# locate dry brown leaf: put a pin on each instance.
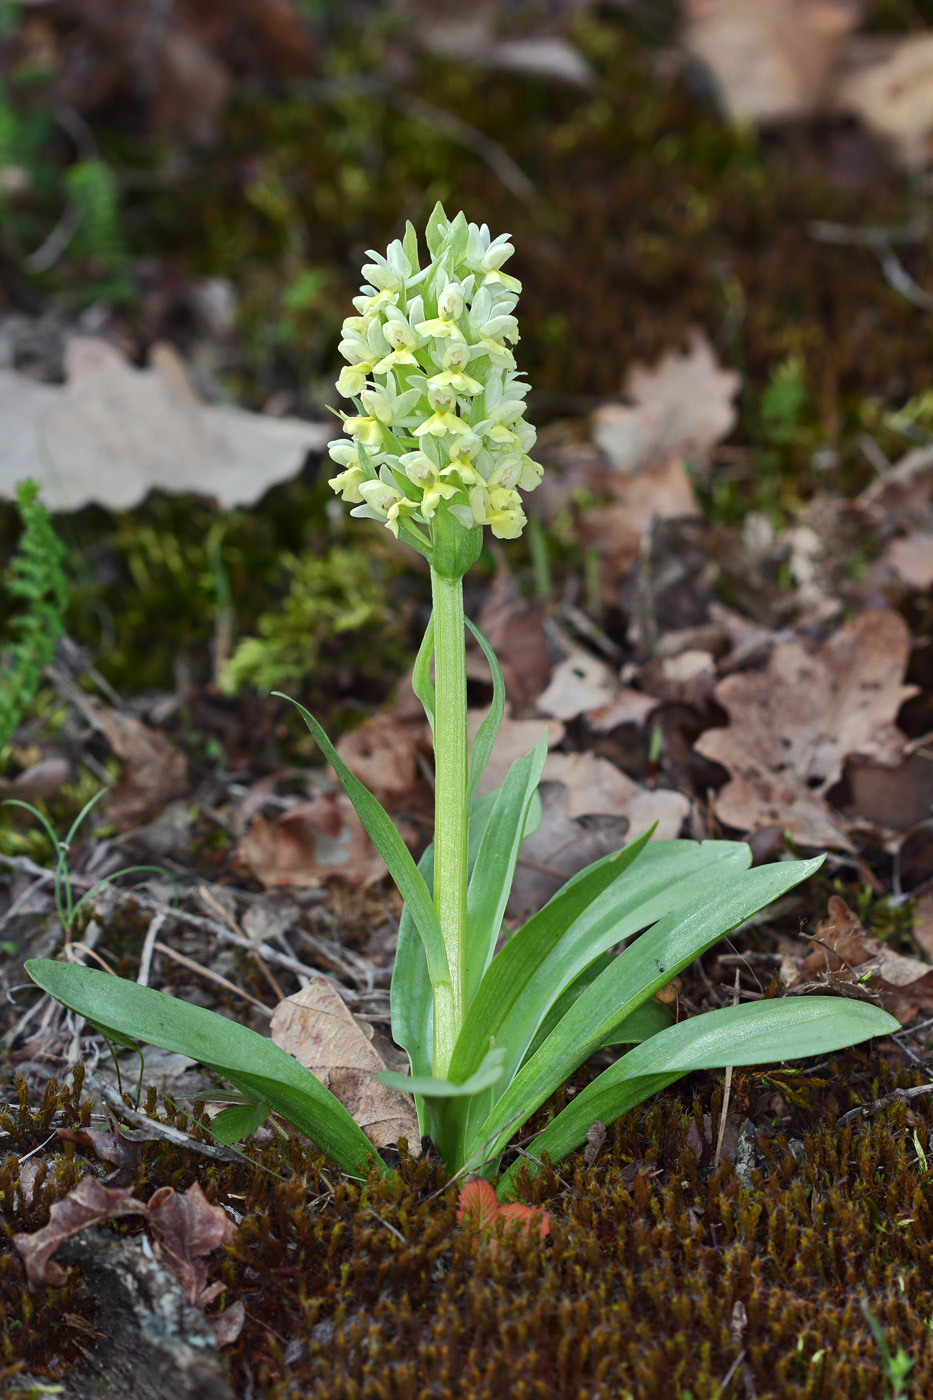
(154, 771)
(316, 1026)
(516, 738)
(317, 841)
(793, 726)
(513, 625)
(842, 947)
(185, 1225)
(113, 433)
(683, 407)
(382, 754)
(580, 683)
(596, 787)
(893, 798)
(617, 530)
(888, 84)
(769, 60)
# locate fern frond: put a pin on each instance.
(37, 577)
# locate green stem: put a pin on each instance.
(450, 808)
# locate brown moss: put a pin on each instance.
(371, 1292)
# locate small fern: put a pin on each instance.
(100, 238)
(36, 577)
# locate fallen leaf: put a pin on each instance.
(888, 84)
(596, 787)
(382, 753)
(469, 38)
(185, 1226)
(516, 738)
(316, 1026)
(894, 798)
(842, 942)
(113, 433)
(580, 683)
(793, 726)
(153, 770)
(617, 530)
(513, 625)
(88, 1203)
(768, 60)
(309, 844)
(681, 408)
(113, 1147)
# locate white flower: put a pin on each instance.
(429, 364)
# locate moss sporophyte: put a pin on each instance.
(436, 448)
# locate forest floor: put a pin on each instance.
(721, 611)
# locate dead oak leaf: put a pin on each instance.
(316, 1026)
(185, 1225)
(683, 407)
(793, 726)
(382, 753)
(309, 844)
(596, 787)
(113, 433)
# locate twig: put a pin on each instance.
(212, 976)
(153, 1128)
(896, 1095)
(207, 898)
(726, 1095)
(145, 956)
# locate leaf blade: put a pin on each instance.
(636, 974)
(391, 847)
(764, 1032)
(486, 735)
(241, 1055)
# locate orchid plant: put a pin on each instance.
(436, 448)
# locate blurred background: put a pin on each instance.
(721, 216)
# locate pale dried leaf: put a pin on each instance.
(317, 841)
(888, 84)
(580, 683)
(113, 433)
(596, 787)
(769, 60)
(382, 754)
(683, 407)
(793, 726)
(517, 737)
(316, 1026)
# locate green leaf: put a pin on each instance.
(636, 974)
(486, 735)
(601, 906)
(429, 1087)
(433, 233)
(758, 1033)
(251, 1063)
(411, 998)
(646, 1021)
(234, 1124)
(491, 881)
(410, 245)
(421, 682)
(391, 847)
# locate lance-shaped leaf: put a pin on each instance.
(486, 735)
(758, 1033)
(251, 1063)
(636, 974)
(391, 847)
